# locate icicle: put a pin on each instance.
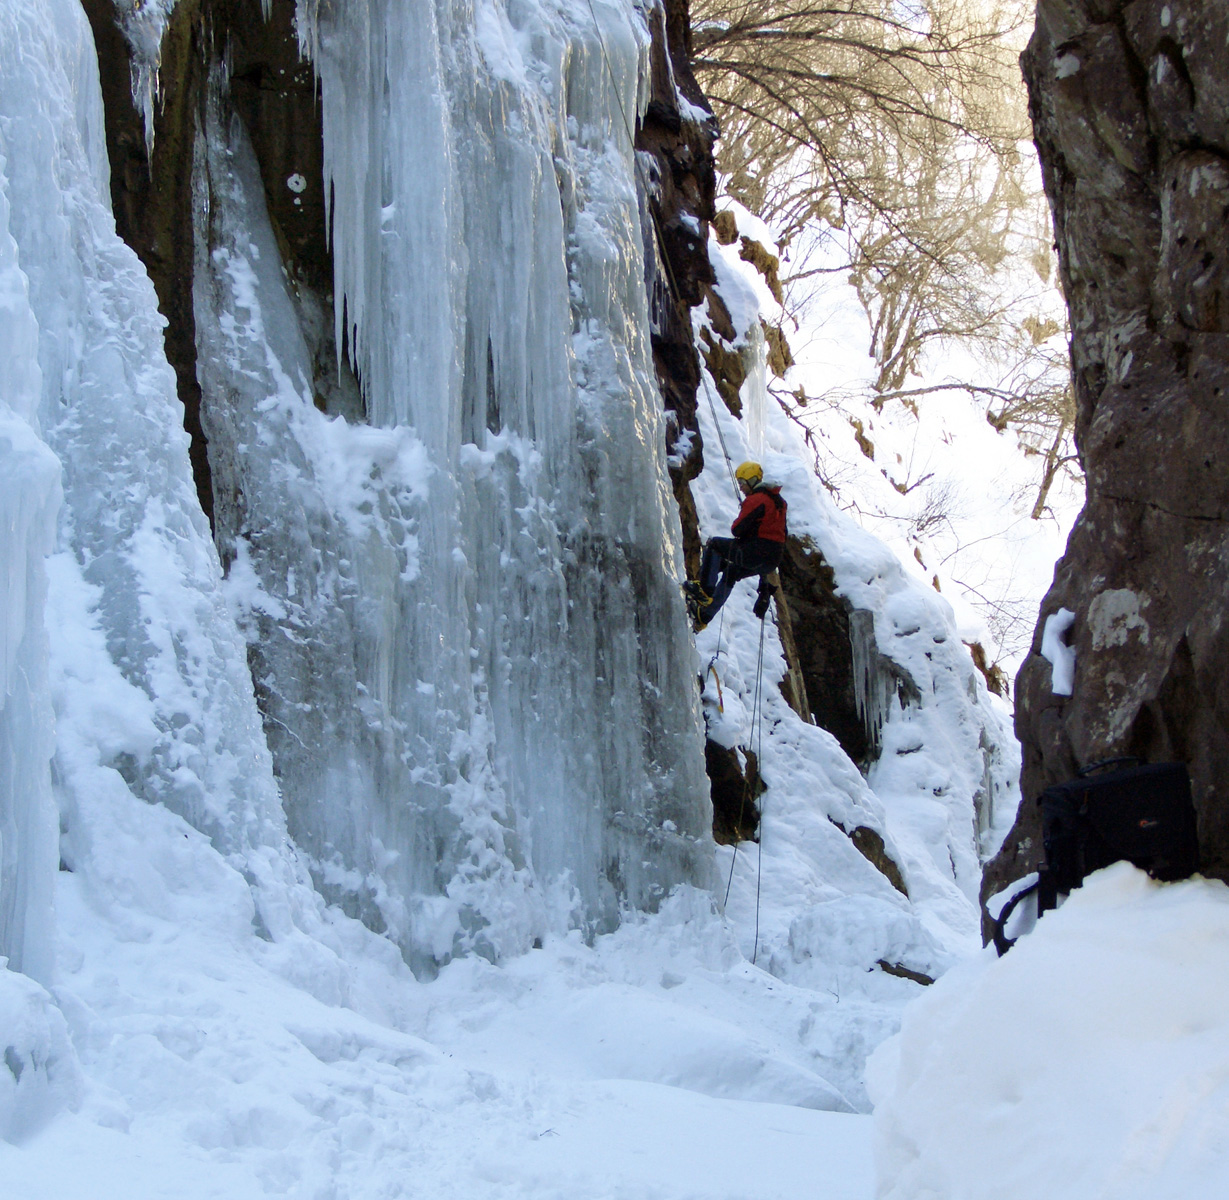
(869, 683)
(754, 391)
(882, 688)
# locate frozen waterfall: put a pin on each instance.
(444, 649)
(151, 690)
(465, 630)
(29, 499)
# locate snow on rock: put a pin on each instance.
(929, 468)
(1091, 1060)
(1056, 651)
(947, 759)
(945, 762)
(941, 786)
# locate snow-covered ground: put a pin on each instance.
(1092, 1060)
(205, 1062)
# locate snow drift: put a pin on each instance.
(1091, 1060)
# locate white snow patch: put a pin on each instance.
(39, 1073)
(1057, 653)
(1066, 65)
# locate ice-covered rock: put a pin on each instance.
(39, 1072)
(109, 410)
(466, 634)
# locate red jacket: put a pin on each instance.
(761, 516)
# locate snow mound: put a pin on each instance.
(1092, 1060)
(39, 1074)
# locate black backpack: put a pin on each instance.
(1113, 810)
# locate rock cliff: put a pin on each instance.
(1130, 105)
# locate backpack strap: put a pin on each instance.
(1103, 763)
(998, 925)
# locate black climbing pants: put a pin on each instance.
(727, 560)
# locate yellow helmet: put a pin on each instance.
(750, 472)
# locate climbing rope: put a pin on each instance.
(725, 450)
(758, 731)
(757, 721)
(614, 83)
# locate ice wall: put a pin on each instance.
(172, 717)
(464, 620)
(29, 499)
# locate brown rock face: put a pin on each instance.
(151, 194)
(822, 651)
(679, 185)
(1130, 104)
(736, 789)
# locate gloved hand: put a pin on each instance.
(761, 604)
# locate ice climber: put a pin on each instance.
(755, 548)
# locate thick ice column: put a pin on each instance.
(319, 522)
(29, 499)
(568, 532)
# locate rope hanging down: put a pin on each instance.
(759, 760)
(757, 724)
(725, 450)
